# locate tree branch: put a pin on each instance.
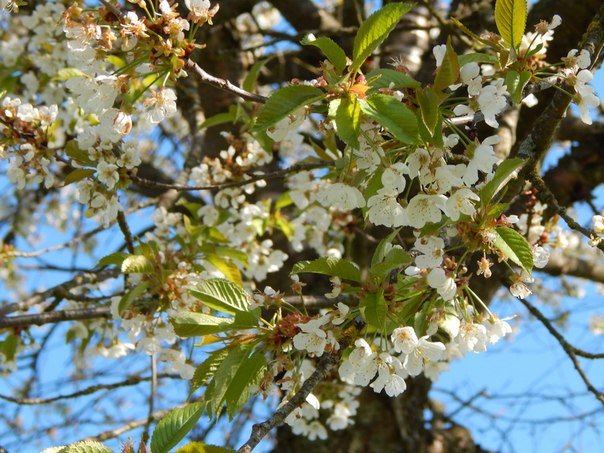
(54, 316)
(260, 430)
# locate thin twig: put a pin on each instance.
(53, 317)
(223, 84)
(252, 179)
(123, 224)
(570, 350)
(260, 430)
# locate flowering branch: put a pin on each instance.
(260, 430)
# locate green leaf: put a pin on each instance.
(380, 250)
(205, 371)
(448, 73)
(510, 17)
(8, 347)
(249, 83)
(394, 259)
(246, 378)
(286, 101)
(190, 324)
(334, 53)
(225, 374)
(332, 266)
(137, 264)
(399, 120)
(128, 298)
(513, 246)
(199, 447)
(346, 114)
(220, 118)
(386, 78)
(221, 295)
(86, 446)
(116, 258)
(77, 175)
(227, 267)
(506, 171)
(69, 73)
(174, 427)
(374, 309)
(428, 103)
(515, 83)
(477, 58)
(375, 30)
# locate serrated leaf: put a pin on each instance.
(64, 74)
(199, 447)
(86, 446)
(249, 83)
(394, 259)
(448, 72)
(374, 309)
(515, 83)
(395, 117)
(205, 371)
(174, 427)
(506, 171)
(216, 389)
(375, 30)
(116, 258)
(137, 264)
(133, 294)
(286, 101)
(247, 376)
(477, 58)
(77, 175)
(513, 246)
(220, 118)
(190, 324)
(332, 266)
(428, 103)
(227, 267)
(334, 53)
(380, 250)
(510, 17)
(346, 114)
(386, 78)
(221, 295)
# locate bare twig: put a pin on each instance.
(53, 317)
(253, 178)
(260, 430)
(572, 352)
(223, 84)
(121, 221)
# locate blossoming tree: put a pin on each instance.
(311, 218)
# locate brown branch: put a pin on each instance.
(572, 352)
(253, 178)
(133, 380)
(60, 290)
(560, 264)
(260, 430)
(53, 316)
(223, 84)
(123, 224)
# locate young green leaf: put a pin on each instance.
(249, 83)
(137, 264)
(429, 105)
(77, 175)
(133, 294)
(221, 295)
(116, 258)
(334, 53)
(217, 388)
(513, 246)
(227, 267)
(380, 250)
(395, 117)
(515, 83)
(506, 171)
(335, 267)
(510, 17)
(448, 73)
(190, 324)
(220, 118)
(174, 427)
(199, 447)
(85, 446)
(386, 78)
(375, 30)
(205, 371)
(286, 101)
(246, 378)
(374, 309)
(346, 113)
(394, 259)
